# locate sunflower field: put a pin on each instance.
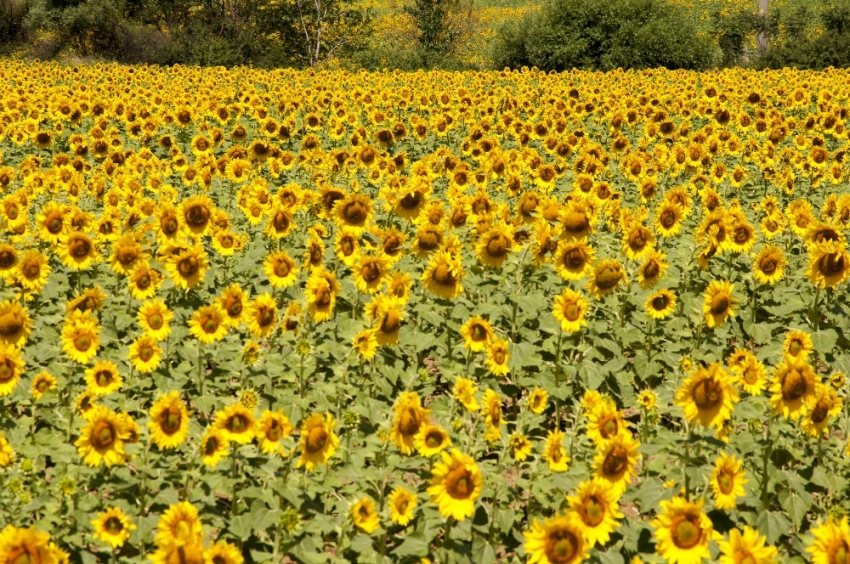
(298, 316)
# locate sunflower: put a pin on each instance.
(103, 378)
(155, 319)
(443, 275)
(719, 303)
(179, 524)
(81, 337)
(538, 399)
(318, 441)
(638, 241)
(559, 540)
(555, 453)
(520, 447)
(707, 396)
(126, 255)
(112, 527)
(464, 392)
(19, 546)
(232, 301)
(364, 516)
(11, 369)
(431, 439)
(280, 269)
(145, 354)
(769, 265)
(102, 438)
(370, 273)
(353, 211)
(798, 345)
(237, 421)
(746, 547)
(214, 446)
(187, 267)
(570, 309)
(223, 552)
(209, 323)
(189, 551)
(261, 315)
(77, 251)
(615, 462)
(402, 504)
(15, 324)
(607, 275)
(660, 304)
(576, 221)
(750, 375)
(9, 259)
(682, 531)
(669, 217)
(270, 429)
(456, 483)
(477, 333)
(498, 357)
(169, 421)
(727, 481)
(492, 415)
(366, 344)
(604, 423)
(280, 223)
(822, 405)
(829, 264)
(85, 403)
(144, 281)
(647, 400)
(321, 294)
(652, 270)
(742, 237)
(794, 383)
(573, 259)
(41, 384)
(7, 454)
(597, 510)
(494, 246)
(830, 542)
(32, 270)
(409, 418)
(195, 213)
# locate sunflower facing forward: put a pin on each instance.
(456, 483)
(727, 481)
(102, 438)
(112, 527)
(559, 540)
(707, 396)
(402, 504)
(794, 383)
(569, 310)
(595, 505)
(719, 303)
(169, 421)
(409, 418)
(318, 441)
(831, 542)
(682, 531)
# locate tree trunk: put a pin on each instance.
(762, 37)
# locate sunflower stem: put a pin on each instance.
(814, 315)
(690, 436)
(768, 447)
(200, 368)
(446, 534)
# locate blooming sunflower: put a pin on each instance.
(270, 429)
(477, 333)
(492, 403)
(145, 281)
(647, 399)
(750, 375)
(318, 441)
(746, 547)
(822, 405)
(209, 323)
(77, 251)
(364, 516)
(280, 269)
(41, 384)
(431, 439)
(569, 310)
(794, 383)
(769, 265)
(187, 267)
(638, 241)
(81, 337)
(27, 545)
(798, 345)
(169, 421)
(15, 324)
(402, 504)
(719, 303)
(102, 438)
(596, 508)
(261, 315)
(559, 540)
(660, 304)
(195, 213)
(652, 269)
(223, 552)
(668, 219)
(464, 392)
(615, 462)
(237, 421)
(126, 255)
(456, 483)
(707, 396)
(605, 422)
(103, 378)
(830, 542)
(11, 369)
(214, 446)
(321, 294)
(576, 220)
(555, 453)
(829, 264)
(498, 357)
(33, 269)
(443, 275)
(494, 246)
(727, 481)
(369, 273)
(538, 399)
(409, 418)
(145, 354)
(607, 275)
(179, 524)
(573, 259)
(155, 319)
(682, 531)
(366, 344)
(354, 211)
(520, 447)
(112, 527)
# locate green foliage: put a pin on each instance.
(603, 35)
(799, 47)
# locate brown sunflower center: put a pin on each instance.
(7, 258)
(209, 324)
(668, 219)
(11, 323)
(237, 423)
(273, 432)
(592, 510)
(32, 269)
(651, 269)
(103, 435)
(460, 483)
(127, 255)
(478, 333)
(575, 259)
(265, 316)
(433, 439)
(282, 268)
(146, 352)
(355, 212)
(409, 421)
(615, 461)
(637, 240)
(725, 481)
(429, 240)
(498, 246)
(562, 546)
(443, 275)
(707, 393)
(54, 224)
(143, 281)
(316, 440)
(188, 266)
(113, 525)
(820, 412)
(233, 306)
(841, 553)
(7, 371)
(608, 278)
(768, 265)
(685, 531)
(391, 323)
(572, 311)
(42, 385)
(575, 222)
(660, 303)
(169, 224)
(210, 446)
(79, 247)
(794, 385)
(280, 221)
(170, 420)
(719, 304)
(411, 200)
(323, 297)
(104, 378)
(155, 321)
(316, 254)
(831, 264)
(370, 272)
(82, 343)
(609, 427)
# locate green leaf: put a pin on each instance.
(241, 526)
(413, 545)
(482, 551)
(796, 505)
(361, 543)
(773, 524)
(824, 341)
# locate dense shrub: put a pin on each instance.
(800, 47)
(603, 35)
